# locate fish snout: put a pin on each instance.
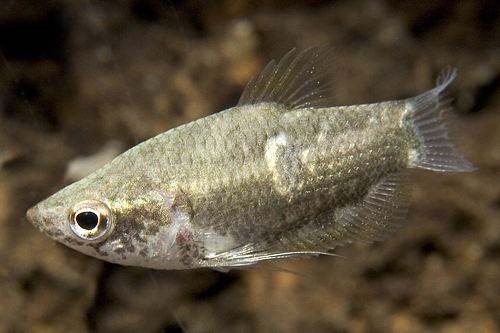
(34, 216)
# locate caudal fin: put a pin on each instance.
(431, 116)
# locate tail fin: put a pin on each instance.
(431, 113)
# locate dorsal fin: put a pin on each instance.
(299, 80)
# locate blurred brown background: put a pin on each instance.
(75, 75)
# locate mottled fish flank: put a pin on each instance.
(281, 175)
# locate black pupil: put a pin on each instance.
(87, 220)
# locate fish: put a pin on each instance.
(282, 175)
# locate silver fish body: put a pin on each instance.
(280, 175)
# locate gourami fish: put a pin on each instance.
(281, 175)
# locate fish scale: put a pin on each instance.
(281, 175)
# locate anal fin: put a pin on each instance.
(379, 214)
(372, 219)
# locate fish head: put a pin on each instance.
(79, 221)
(88, 220)
(149, 228)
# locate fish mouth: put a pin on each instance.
(40, 221)
(33, 215)
(49, 221)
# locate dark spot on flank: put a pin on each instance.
(72, 241)
(152, 230)
(120, 250)
(54, 234)
(184, 237)
(144, 253)
(99, 250)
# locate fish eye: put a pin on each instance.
(91, 220)
(88, 220)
